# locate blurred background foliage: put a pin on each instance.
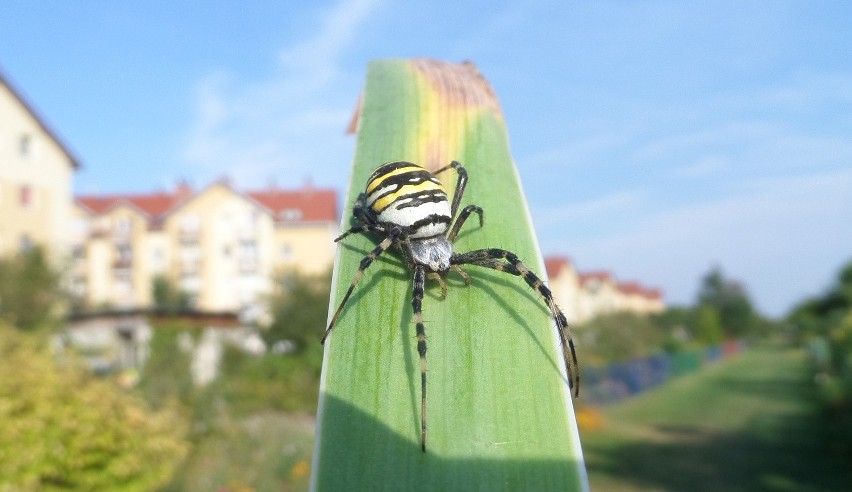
(824, 324)
(722, 311)
(252, 427)
(30, 290)
(65, 429)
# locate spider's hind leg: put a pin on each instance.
(490, 258)
(416, 304)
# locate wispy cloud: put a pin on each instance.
(599, 209)
(775, 232)
(286, 125)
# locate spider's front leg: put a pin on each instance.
(465, 213)
(490, 258)
(416, 304)
(367, 222)
(460, 184)
(365, 263)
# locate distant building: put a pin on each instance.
(36, 169)
(584, 295)
(221, 246)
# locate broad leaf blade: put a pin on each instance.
(498, 408)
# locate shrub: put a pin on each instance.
(64, 429)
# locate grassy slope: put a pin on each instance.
(750, 423)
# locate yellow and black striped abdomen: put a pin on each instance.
(409, 196)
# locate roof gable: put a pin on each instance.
(4, 81)
(305, 205)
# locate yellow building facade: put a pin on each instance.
(36, 171)
(585, 295)
(222, 247)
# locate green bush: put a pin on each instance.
(288, 382)
(620, 336)
(299, 309)
(64, 429)
(29, 290)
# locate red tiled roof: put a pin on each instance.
(635, 288)
(555, 264)
(306, 205)
(601, 275)
(153, 204)
(631, 288)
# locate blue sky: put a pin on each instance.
(653, 139)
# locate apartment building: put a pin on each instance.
(584, 295)
(36, 170)
(221, 246)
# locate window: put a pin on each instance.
(247, 256)
(124, 253)
(26, 243)
(286, 252)
(190, 227)
(123, 226)
(25, 145)
(290, 214)
(26, 196)
(158, 258)
(78, 252)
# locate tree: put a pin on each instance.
(731, 301)
(620, 336)
(167, 296)
(708, 325)
(29, 290)
(299, 309)
(64, 429)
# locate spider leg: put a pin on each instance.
(416, 302)
(366, 219)
(361, 228)
(463, 273)
(490, 258)
(437, 277)
(365, 263)
(465, 213)
(460, 184)
(361, 211)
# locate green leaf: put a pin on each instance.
(499, 412)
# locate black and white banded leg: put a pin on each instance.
(416, 304)
(365, 263)
(490, 258)
(465, 213)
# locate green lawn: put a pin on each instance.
(747, 424)
(267, 451)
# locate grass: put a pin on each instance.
(264, 451)
(748, 424)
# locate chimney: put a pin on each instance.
(183, 190)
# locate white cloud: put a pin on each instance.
(338, 27)
(600, 208)
(289, 125)
(782, 236)
(703, 167)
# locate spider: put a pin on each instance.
(407, 206)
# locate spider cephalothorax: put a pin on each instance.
(406, 205)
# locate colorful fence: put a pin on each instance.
(619, 380)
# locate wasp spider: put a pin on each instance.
(407, 206)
